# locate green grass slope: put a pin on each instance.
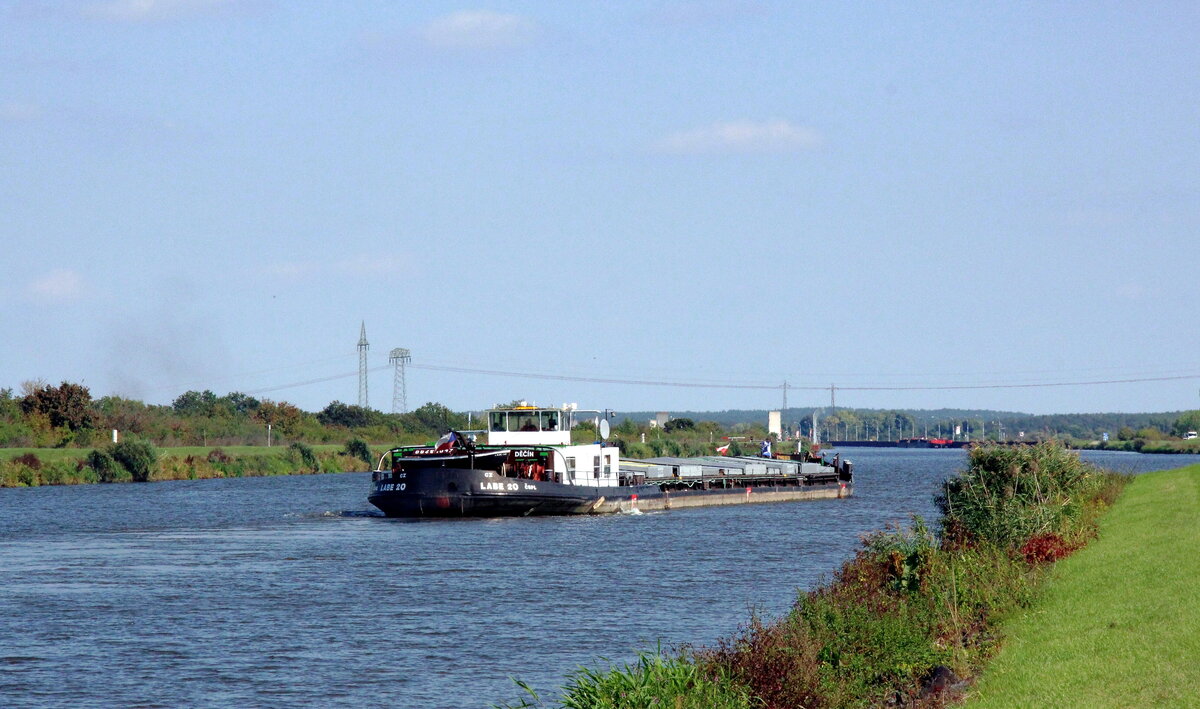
(1118, 625)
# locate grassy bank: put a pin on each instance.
(1117, 625)
(30, 467)
(908, 617)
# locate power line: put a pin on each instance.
(1038, 385)
(760, 387)
(307, 382)
(732, 386)
(603, 380)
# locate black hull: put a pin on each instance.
(458, 492)
(461, 492)
(478, 506)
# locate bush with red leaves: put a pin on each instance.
(1047, 547)
(29, 460)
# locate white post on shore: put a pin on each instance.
(114, 435)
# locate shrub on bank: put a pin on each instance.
(106, 467)
(339, 462)
(28, 470)
(219, 464)
(899, 608)
(654, 681)
(910, 607)
(302, 454)
(138, 457)
(358, 448)
(1009, 494)
(15, 473)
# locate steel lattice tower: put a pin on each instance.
(363, 346)
(399, 357)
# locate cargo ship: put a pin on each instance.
(528, 466)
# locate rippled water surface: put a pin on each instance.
(288, 591)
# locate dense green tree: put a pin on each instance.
(239, 404)
(679, 424)
(437, 418)
(10, 405)
(628, 428)
(206, 403)
(348, 415)
(1189, 421)
(195, 403)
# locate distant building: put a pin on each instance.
(774, 424)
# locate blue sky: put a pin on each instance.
(215, 193)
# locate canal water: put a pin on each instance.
(288, 591)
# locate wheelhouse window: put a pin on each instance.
(526, 421)
(523, 421)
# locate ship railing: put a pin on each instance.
(738, 480)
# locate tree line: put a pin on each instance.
(47, 416)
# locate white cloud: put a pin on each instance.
(478, 29)
(156, 10)
(59, 285)
(774, 136)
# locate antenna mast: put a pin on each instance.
(363, 346)
(399, 357)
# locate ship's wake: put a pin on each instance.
(352, 513)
